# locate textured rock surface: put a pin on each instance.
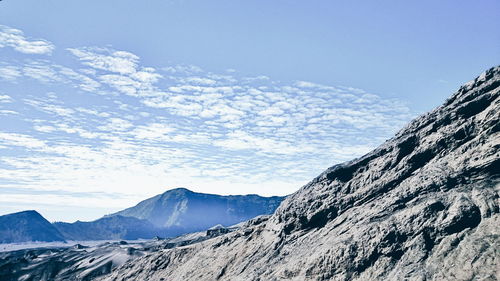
(423, 206)
(82, 263)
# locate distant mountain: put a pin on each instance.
(109, 228)
(27, 226)
(181, 210)
(175, 212)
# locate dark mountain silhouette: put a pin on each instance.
(27, 226)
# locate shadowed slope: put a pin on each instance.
(27, 226)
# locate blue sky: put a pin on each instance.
(105, 103)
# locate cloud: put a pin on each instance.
(14, 38)
(116, 125)
(47, 72)
(113, 124)
(8, 112)
(182, 69)
(50, 107)
(21, 140)
(201, 81)
(5, 99)
(118, 70)
(9, 73)
(83, 82)
(41, 71)
(105, 59)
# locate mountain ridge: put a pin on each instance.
(109, 228)
(210, 210)
(173, 207)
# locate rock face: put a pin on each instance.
(27, 226)
(181, 211)
(422, 206)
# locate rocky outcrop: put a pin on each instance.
(422, 206)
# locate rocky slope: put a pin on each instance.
(27, 226)
(422, 206)
(84, 263)
(181, 211)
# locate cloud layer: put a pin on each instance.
(104, 123)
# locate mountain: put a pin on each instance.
(27, 226)
(422, 206)
(108, 228)
(181, 210)
(175, 212)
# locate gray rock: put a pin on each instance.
(422, 206)
(84, 263)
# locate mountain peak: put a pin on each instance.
(180, 190)
(27, 226)
(27, 212)
(183, 210)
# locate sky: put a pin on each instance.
(106, 103)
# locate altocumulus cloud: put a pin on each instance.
(111, 125)
(14, 38)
